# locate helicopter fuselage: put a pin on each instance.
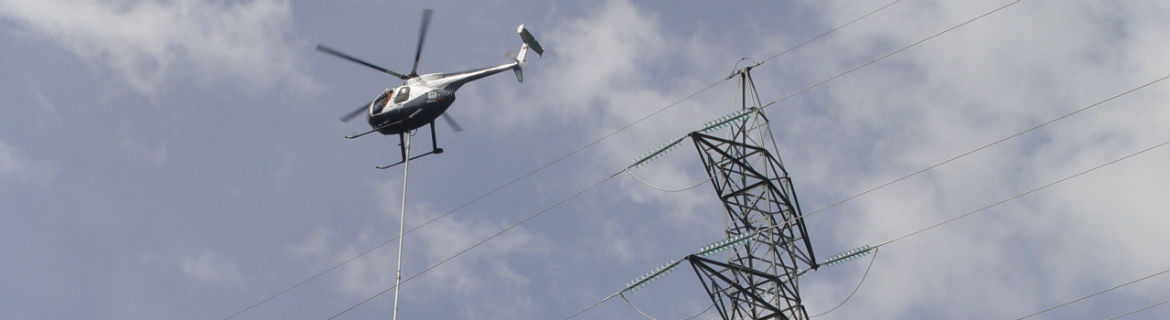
(418, 107)
(422, 99)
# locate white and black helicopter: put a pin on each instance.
(423, 98)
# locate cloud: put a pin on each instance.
(1004, 73)
(1017, 68)
(316, 246)
(155, 155)
(210, 267)
(147, 43)
(483, 275)
(1012, 70)
(16, 166)
(48, 116)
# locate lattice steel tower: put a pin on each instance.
(759, 278)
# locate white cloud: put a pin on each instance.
(608, 68)
(992, 78)
(210, 267)
(9, 162)
(1011, 70)
(316, 246)
(149, 42)
(16, 166)
(155, 154)
(48, 116)
(483, 274)
(1007, 72)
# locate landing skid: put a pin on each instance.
(402, 145)
(376, 129)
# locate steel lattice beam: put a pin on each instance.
(758, 280)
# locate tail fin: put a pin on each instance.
(529, 44)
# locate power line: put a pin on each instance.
(1020, 195)
(595, 304)
(863, 276)
(643, 181)
(1123, 315)
(700, 312)
(1095, 294)
(1013, 198)
(870, 62)
(875, 11)
(639, 310)
(513, 181)
(534, 171)
(474, 200)
(877, 247)
(485, 240)
(980, 148)
(594, 142)
(951, 159)
(1017, 134)
(1017, 196)
(647, 316)
(794, 93)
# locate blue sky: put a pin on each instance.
(183, 159)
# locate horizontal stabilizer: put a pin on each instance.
(530, 40)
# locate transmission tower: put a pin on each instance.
(759, 278)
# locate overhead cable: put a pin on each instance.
(948, 160)
(643, 181)
(1012, 136)
(643, 313)
(875, 248)
(863, 276)
(700, 312)
(863, 65)
(863, 249)
(1094, 294)
(859, 18)
(481, 242)
(1123, 315)
(1020, 195)
(952, 159)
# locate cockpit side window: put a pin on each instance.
(402, 94)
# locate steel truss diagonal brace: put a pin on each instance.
(749, 193)
(722, 282)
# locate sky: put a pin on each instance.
(183, 159)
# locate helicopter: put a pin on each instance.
(421, 99)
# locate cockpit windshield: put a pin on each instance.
(381, 102)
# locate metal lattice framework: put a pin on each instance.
(759, 278)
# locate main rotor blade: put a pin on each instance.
(422, 34)
(451, 121)
(339, 54)
(355, 113)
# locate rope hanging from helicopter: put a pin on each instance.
(402, 221)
